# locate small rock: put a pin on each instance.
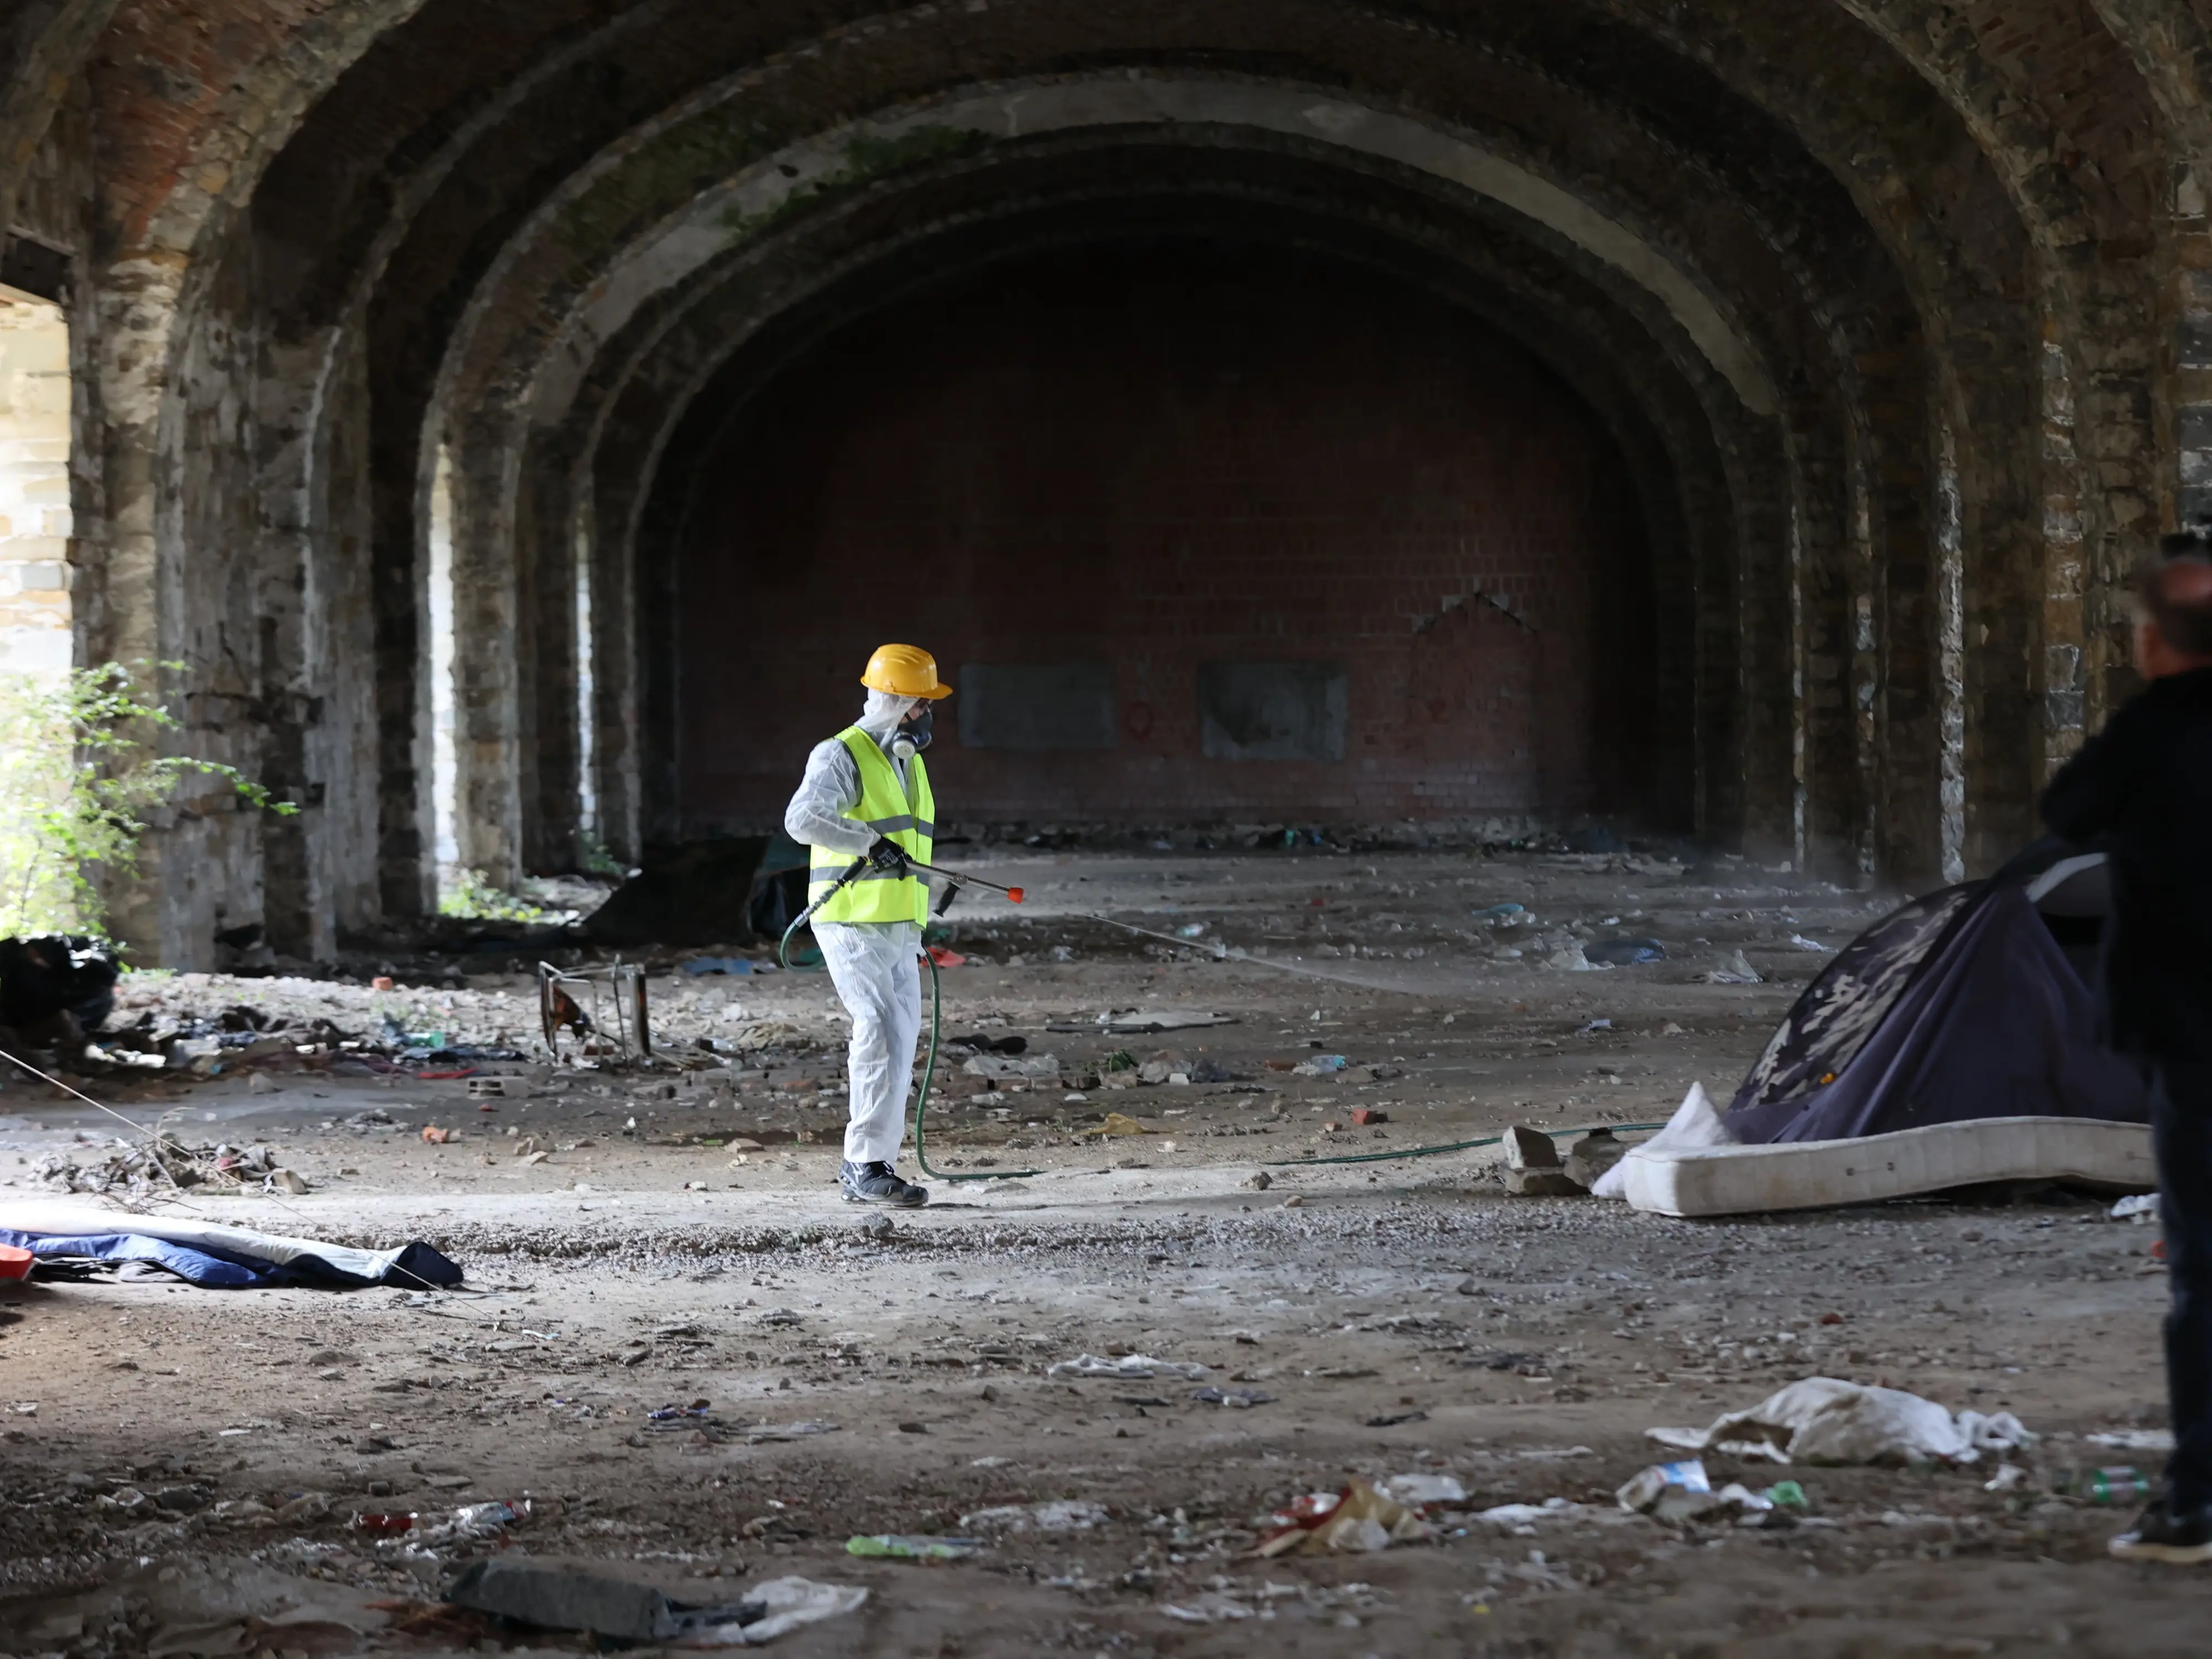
(1293, 1202)
(1530, 1149)
(1541, 1183)
(1259, 1182)
(1363, 1115)
(288, 1181)
(1592, 1156)
(914, 1428)
(260, 1082)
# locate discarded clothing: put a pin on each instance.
(214, 1257)
(1823, 1419)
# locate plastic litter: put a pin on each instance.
(1237, 1399)
(1357, 1520)
(1496, 910)
(1824, 1419)
(908, 1547)
(718, 966)
(1419, 1490)
(1061, 1515)
(1121, 1123)
(1683, 1491)
(2134, 1204)
(2134, 1440)
(1736, 968)
(1624, 952)
(1319, 1065)
(2117, 1484)
(1129, 1367)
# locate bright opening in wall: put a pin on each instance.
(445, 775)
(38, 890)
(35, 631)
(588, 791)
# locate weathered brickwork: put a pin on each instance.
(1163, 459)
(1894, 317)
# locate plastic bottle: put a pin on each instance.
(2118, 1484)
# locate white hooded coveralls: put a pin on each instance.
(872, 963)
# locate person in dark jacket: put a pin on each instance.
(2142, 789)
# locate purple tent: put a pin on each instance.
(1971, 1002)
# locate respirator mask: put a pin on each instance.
(914, 733)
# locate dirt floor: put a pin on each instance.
(183, 1471)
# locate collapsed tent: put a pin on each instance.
(216, 1257)
(1954, 1041)
(1972, 1002)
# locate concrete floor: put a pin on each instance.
(1524, 1345)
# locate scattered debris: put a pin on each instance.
(1533, 1168)
(556, 1599)
(904, 1546)
(1131, 1367)
(1736, 968)
(1359, 1519)
(1418, 1491)
(1238, 1399)
(1060, 1515)
(1823, 1419)
(1682, 1492)
(1624, 952)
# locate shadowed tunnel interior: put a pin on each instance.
(1113, 485)
(1736, 421)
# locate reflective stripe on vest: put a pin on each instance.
(907, 816)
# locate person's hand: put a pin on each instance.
(887, 854)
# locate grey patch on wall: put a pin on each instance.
(1273, 710)
(1059, 705)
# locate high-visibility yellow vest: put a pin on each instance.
(907, 816)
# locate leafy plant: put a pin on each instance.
(79, 770)
(471, 897)
(597, 861)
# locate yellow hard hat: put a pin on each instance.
(904, 670)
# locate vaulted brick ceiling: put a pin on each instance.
(1892, 308)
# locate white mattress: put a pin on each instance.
(1808, 1175)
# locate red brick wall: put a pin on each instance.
(1158, 458)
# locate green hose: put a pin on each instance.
(929, 1070)
(921, 1099)
(929, 1066)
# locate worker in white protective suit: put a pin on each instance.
(866, 795)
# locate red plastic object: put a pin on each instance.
(944, 958)
(384, 1522)
(1015, 893)
(15, 1263)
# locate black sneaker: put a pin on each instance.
(2159, 1535)
(878, 1183)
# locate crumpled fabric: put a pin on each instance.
(1824, 1419)
(1697, 1123)
(874, 967)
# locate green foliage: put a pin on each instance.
(79, 767)
(598, 861)
(472, 898)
